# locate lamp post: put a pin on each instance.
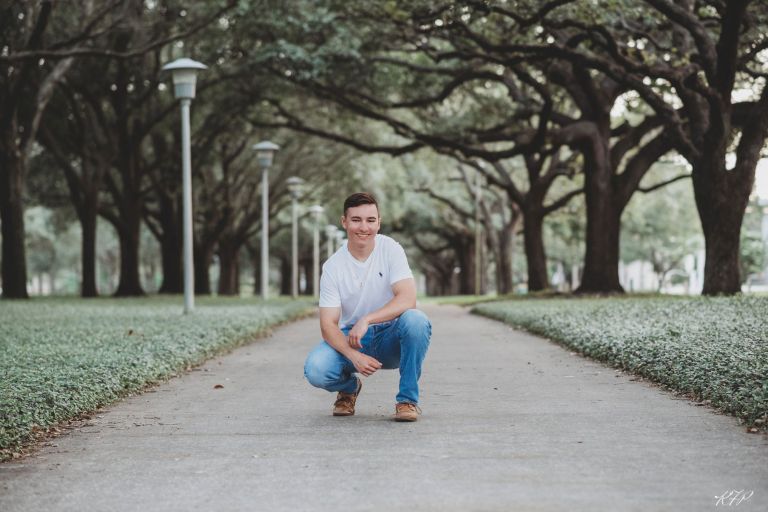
(184, 72)
(265, 152)
(330, 239)
(478, 249)
(294, 188)
(316, 211)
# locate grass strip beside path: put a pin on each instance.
(713, 349)
(60, 358)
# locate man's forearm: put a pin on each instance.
(392, 309)
(336, 339)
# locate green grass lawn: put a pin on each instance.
(461, 300)
(60, 358)
(713, 349)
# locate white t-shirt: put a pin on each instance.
(360, 287)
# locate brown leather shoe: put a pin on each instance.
(345, 402)
(405, 411)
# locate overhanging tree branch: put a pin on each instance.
(100, 52)
(663, 183)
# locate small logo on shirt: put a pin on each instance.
(381, 275)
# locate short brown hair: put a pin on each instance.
(359, 198)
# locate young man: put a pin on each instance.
(367, 315)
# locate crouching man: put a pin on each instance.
(368, 318)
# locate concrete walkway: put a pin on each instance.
(511, 422)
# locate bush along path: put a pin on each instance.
(61, 358)
(713, 349)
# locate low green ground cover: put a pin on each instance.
(713, 349)
(459, 300)
(60, 358)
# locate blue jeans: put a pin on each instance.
(400, 343)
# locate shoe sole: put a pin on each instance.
(406, 419)
(343, 414)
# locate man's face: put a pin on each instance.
(361, 223)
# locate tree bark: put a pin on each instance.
(466, 255)
(203, 255)
(88, 224)
(501, 243)
(285, 276)
(129, 229)
(432, 284)
(129, 283)
(721, 267)
(14, 265)
(535, 255)
(228, 267)
(171, 244)
(504, 253)
(601, 261)
(721, 202)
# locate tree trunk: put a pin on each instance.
(129, 284)
(171, 245)
(14, 266)
(721, 201)
(601, 262)
(228, 267)
(203, 255)
(504, 254)
(431, 283)
(88, 224)
(721, 267)
(535, 255)
(285, 276)
(466, 255)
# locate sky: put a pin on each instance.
(761, 179)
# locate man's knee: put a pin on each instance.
(319, 370)
(414, 323)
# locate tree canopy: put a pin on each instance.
(561, 110)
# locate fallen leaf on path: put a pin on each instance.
(218, 386)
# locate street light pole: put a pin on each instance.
(186, 159)
(184, 72)
(478, 254)
(265, 152)
(316, 211)
(294, 187)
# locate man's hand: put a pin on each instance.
(365, 364)
(357, 332)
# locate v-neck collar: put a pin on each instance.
(367, 262)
